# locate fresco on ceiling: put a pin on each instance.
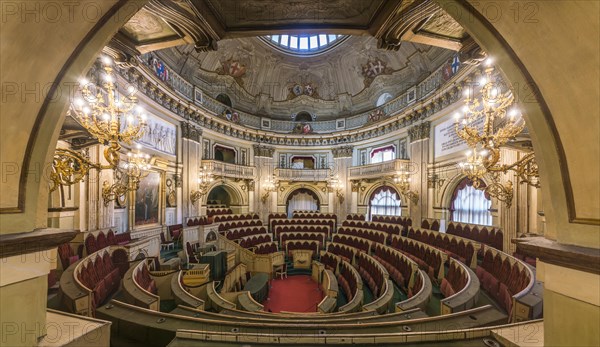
(302, 129)
(298, 89)
(233, 68)
(231, 116)
(376, 116)
(159, 68)
(373, 68)
(451, 67)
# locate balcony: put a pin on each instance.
(378, 170)
(303, 175)
(223, 169)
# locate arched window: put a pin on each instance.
(384, 201)
(383, 98)
(304, 44)
(470, 205)
(383, 154)
(224, 99)
(303, 117)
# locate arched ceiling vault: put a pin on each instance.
(214, 45)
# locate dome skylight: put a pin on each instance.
(304, 44)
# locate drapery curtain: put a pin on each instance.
(302, 202)
(383, 154)
(471, 206)
(385, 201)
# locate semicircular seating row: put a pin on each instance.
(96, 243)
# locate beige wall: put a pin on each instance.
(559, 49)
(557, 43)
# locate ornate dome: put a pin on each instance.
(263, 78)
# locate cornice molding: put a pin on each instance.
(35, 241)
(552, 252)
(164, 96)
(191, 132)
(342, 152)
(419, 131)
(263, 151)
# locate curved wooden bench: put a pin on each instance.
(382, 303)
(157, 329)
(134, 294)
(467, 297)
(74, 296)
(420, 299)
(356, 303)
(247, 302)
(182, 296)
(216, 301)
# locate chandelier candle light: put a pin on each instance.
(336, 185)
(270, 185)
(108, 117)
(135, 169)
(488, 123)
(205, 179)
(402, 181)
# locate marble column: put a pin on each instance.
(265, 166)
(191, 149)
(342, 161)
(419, 160)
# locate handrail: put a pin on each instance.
(377, 169)
(216, 299)
(248, 303)
(135, 293)
(412, 337)
(220, 168)
(357, 299)
(382, 303)
(420, 299)
(467, 297)
(470, 318)
(311, 175)
(182, 296)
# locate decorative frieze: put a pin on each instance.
(190, 132)
(342, 152)
(419, 131)
(205, 119)
(263, 151)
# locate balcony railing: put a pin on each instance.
(223, 169)
(305, 175)
(379, 169)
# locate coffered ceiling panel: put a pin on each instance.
(239, 15)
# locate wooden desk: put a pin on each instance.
(258, 286)
(302, 258)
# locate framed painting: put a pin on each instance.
(147, 200)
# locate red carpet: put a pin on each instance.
(295, 294)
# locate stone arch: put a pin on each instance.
(285, 196)
(238, 197)
(574, 210)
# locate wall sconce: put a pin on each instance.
(270, 185)
(134, 170)
(205, 179)
(434, 181)
(336, 186)
(402, 181)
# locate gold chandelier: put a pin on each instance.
(402, 182)
(205, 179)
(128, 176)
(108, 117)
(488, 122)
